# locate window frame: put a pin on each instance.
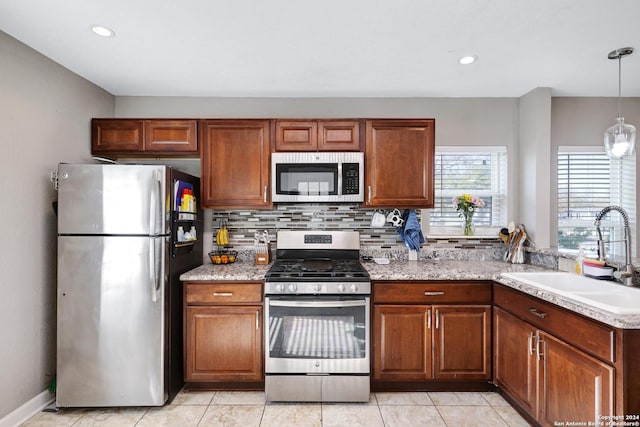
(619, 171)
(499, 179)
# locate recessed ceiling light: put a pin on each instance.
(466, 60)
(103, 31)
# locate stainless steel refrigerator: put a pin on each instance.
(119, 313)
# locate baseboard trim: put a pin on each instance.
(28, 409)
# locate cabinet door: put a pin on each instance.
(399, 161)
(112, 136)
(223, 343)
(170, 136)
(296, 135)
(515, 359)
(572, 385)
(339, 135)
(402, 342)
(462, 342)
(235, 164)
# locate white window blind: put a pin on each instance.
(479, 171)
(589, 181)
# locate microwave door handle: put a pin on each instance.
(322, 304)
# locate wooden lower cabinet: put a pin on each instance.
(440, 342)
(514, 358)
(223, 332)
(550, 379)
(224, 344)
(572, 385)
(462, 342)
(402, 341)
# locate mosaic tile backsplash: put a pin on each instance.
(242, 224)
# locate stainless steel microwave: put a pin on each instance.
(317, 177)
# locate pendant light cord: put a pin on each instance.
(619, 85)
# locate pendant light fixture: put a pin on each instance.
(620, 139)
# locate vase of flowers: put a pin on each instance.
(466, 206)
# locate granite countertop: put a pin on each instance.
(624, 321)
(239, 270)
(432, 270)
(443, 270)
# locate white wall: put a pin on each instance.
(533, 165)
(45, 113)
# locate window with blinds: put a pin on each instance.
(589, 181)
(479, 171)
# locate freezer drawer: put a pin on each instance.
(111, 321)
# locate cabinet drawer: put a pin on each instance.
(583, 333)
(223, 293)
(436, 292)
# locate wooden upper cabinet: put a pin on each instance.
(159, 137)
(399, 163)
(317, 135)
(235, 163)
(339, 135)
(296, 135)
(171, 136)
(117, 136)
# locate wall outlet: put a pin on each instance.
(413, 255)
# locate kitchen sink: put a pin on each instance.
(606, 295)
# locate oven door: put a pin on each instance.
(317, 335)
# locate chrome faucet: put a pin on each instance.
(626, 275)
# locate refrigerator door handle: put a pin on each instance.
(153, 272)
(156, 265)
(155, 204)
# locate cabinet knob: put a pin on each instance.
(433, 293)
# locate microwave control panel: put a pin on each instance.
(350, 178)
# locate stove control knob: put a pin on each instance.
(280, 287)
(354, 288)
(316, 288)
(341, 288)
(293, 287)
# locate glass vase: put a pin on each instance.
(468, 228)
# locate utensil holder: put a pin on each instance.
(263, 258)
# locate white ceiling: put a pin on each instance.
(302, 48)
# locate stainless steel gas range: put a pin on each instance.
(317, 319)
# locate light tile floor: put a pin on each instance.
(245, 409)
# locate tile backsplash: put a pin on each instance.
(242, 224)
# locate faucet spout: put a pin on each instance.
(626, 276)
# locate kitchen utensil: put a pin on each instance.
(395, 218)
(378, 220)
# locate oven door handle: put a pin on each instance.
(281, 303)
